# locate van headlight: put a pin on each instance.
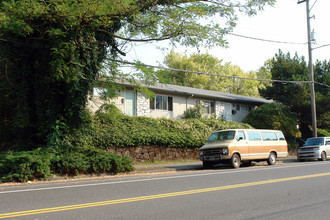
(225, 151)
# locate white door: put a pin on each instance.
(130, 103)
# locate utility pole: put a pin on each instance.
(310, 65)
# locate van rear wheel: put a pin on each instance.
(271, 159)
(235, 161)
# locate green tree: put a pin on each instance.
(51, 52)
(274, 116)
(322, 75)
(206, 63)
(264, 73)
(297, 95)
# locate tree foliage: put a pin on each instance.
(206, 63)
(274, 116)
(51, 52)
(297, 95)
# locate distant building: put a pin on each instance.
(171, 101)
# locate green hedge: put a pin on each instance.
(84, 150)
(43, 163)
(124, 131)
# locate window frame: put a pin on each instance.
(280, 136)
(239, 133)
(269, 136)
(252, 137)
(210, 106)
(161, 103)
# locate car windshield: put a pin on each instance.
(221, 136)
(314, 141)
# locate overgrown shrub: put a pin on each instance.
(293, 145)
(193, 112)
(45, 162)
(24, 166)
(81, 160)
(84, 150)
(126, 131)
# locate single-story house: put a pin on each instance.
(171, 101)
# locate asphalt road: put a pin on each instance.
(284, 191)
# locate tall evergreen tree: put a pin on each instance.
(297, 95)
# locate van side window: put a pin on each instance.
(240, 135)
(280, 136)
(269, 136)
(254, 136)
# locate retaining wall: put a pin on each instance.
(150, 153)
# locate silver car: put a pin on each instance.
(315, 148)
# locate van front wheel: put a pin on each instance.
(235, 161)
(271, 159)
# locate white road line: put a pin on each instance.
(162, 178)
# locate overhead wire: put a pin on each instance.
(260, 39)
(238, 77)
(219, 75)
(313, 5)
(275, 41)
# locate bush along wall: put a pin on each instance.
(125, 131)
(89, 150)
(43, 163)
(148, 139)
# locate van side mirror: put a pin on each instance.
(240, 138)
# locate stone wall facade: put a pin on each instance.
(151, 153)
(142, 105)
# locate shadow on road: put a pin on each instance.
(195, 166)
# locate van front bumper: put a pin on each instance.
(214, 158)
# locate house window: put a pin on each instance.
(161, 102)
(245, 108)
(236, 107)
(170, 103)
(207, 107)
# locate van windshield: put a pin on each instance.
(314, 141)
(221, 136)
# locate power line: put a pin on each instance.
(266, 40)
(212, 74)
(325, 45)
(313, 5)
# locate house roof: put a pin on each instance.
(202, 93)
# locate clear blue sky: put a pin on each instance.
(285, 22)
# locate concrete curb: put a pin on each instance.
(193, 166)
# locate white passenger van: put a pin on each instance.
(243, 145)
